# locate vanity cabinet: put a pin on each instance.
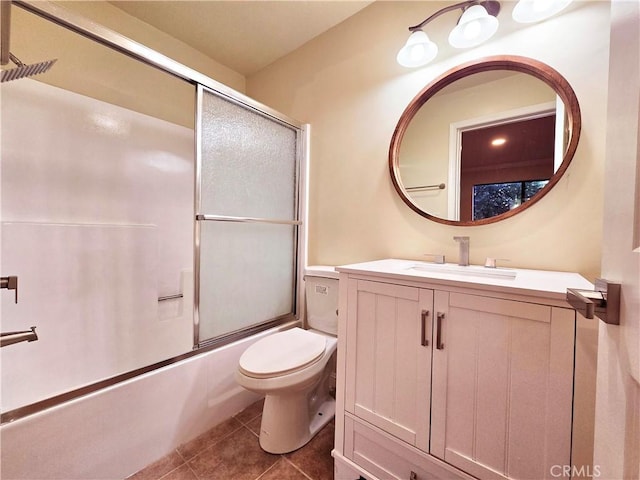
(440, 378)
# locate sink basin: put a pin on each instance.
(473, 270)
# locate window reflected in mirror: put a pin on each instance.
(512, 153)
(494, 199)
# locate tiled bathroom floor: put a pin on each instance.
(230, 451)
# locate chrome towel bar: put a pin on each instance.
(439, 186)
(170, 297)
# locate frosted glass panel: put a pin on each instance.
(248, 162)
(246, 275)
(248, 165)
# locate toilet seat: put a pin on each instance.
(282, 353)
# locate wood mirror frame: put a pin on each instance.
(525, 65)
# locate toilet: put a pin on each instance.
(295, 369)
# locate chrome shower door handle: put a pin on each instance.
(439, 318)
(423, 334)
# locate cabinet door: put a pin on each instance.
(388, 358)
(502, 386)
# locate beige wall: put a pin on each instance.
(91, 69)
(112, 17)
(347, 85)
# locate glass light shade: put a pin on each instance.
(530, 11)
(419, 50)
(474, 27)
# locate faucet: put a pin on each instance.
(463, 258)
(9, 338)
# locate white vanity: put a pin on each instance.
(453, 372)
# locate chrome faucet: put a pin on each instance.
(9, 338)
(463, 257)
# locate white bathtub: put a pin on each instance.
(115, 432)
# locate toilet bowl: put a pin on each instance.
(294, 369)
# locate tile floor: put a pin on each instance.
(230, 451)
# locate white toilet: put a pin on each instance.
(293, 369)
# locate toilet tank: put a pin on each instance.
(321, 291)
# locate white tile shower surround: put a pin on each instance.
(97, 224)
(93, 316)
(117, 431)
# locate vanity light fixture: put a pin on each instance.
(477, 24)
(530, 11)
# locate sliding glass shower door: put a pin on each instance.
(247, 221)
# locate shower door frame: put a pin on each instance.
(297, 223)
(116, 41)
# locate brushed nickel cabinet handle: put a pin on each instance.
(424, 341)
(439, 344)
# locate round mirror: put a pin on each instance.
(485, 140)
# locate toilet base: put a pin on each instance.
(288, 424)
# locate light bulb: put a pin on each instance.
(474, 27)
(472, 30)
(530, 11)
(542, 5)
(419, 50)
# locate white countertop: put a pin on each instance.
(539, 283)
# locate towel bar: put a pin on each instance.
(439, 186)
(602, 302)
(170, 297)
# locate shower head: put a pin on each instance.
(22, 70)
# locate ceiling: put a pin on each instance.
(245, 36)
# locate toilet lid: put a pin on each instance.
(282, 353)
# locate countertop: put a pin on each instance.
(539, 283)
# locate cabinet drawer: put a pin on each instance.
(387, 457)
